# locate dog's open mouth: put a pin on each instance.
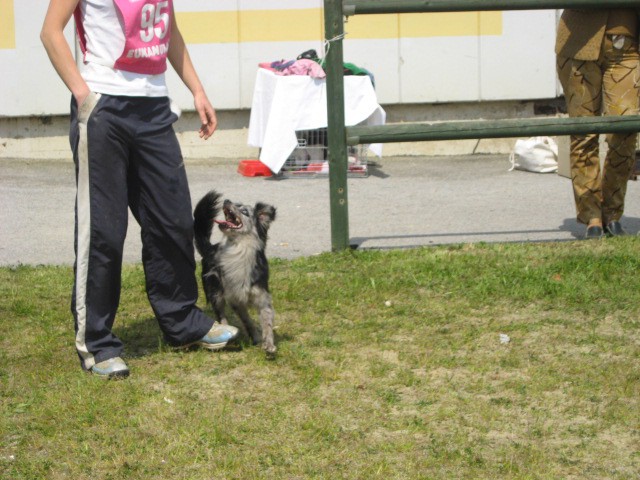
(230, 221)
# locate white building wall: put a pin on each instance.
(28, 84)
(517, 63)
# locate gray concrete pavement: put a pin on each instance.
(405, 202)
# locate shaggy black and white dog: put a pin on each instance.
(236, 270)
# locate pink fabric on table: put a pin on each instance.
(297, 67)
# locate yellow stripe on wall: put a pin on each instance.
(251, 26)
(459, 24)
(280, 25)
(373, 26)
(209, 27)
(308, 25)
(490, 23)
(425, 25)
(7, 25)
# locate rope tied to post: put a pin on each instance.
(327, 45)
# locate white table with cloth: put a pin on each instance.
(284, 104)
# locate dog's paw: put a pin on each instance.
(270, 352)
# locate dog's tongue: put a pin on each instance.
(224, 223)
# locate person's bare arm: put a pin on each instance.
(52, 37)
(181, 62)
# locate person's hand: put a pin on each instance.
(208, 119)
(81, 96)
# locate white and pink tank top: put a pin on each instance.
(125, 45)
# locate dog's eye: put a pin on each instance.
(245, 212)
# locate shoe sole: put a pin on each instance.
(212, 346)
(119, 375)
(206, 346)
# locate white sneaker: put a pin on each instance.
(111, 368)
(217, 338)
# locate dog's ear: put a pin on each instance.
(264, 214)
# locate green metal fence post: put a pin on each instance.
(339, 206)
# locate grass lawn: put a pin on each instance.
(518, 361)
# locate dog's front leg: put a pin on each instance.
(248, 323)
(267, 318)
(214, 291)
(218, 305)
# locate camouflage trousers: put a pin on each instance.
(608, 86)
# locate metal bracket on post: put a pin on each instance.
(348, 10)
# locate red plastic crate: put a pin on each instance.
(253, 168)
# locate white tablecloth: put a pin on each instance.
(284, 104)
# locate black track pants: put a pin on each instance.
(127, 156)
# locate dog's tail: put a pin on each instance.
(203, 220)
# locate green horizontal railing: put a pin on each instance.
(340, 136)
(359, 7)
(414, 132)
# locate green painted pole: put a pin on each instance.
(524, 127)
(357, 7)
(338, 195)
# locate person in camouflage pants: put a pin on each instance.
(599, 68)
